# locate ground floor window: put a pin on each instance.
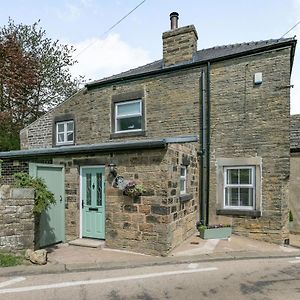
(239, 187)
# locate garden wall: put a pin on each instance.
(16, 218)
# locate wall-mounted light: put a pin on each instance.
(112, 169)
(258, 78)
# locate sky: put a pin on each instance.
(137, 40)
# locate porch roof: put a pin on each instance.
(103, 147)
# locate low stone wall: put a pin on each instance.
(16, 218)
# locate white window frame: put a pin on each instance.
(127, 116)
(252, 185)
(65, 132)
(183, 179)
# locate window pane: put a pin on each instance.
(60, 137)
(132, 123)
(70, 126)
(245, 176)
(182, 171)
(70, 137)
(182, 185)
(130, 108)
(232, 197)
(99, 189)
(246, 196)
(88, 189)
(232, 176)
(60, 127)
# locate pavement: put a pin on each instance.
(71, 258)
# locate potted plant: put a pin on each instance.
(132, 189)
(216, 231)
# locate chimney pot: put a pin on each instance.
(174, 16)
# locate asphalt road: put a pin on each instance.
(239, 279)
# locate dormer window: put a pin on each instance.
(128, 116)
(65, 132)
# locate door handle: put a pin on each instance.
(60, 198)
(82, 203)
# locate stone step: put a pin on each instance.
(85, 242)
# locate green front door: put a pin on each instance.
(93, 202)
(52, 220)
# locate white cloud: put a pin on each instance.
(98, 58)
(69, 12)
(295, 80)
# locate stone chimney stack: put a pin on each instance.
(179, 44)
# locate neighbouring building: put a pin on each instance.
(295, 173)
(206, 132)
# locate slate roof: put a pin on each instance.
(202, 56)
(103, 147)
(295, 132)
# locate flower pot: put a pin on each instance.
(215, 233)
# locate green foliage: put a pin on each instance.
(10, 260)
(42, 198)
(34, 77)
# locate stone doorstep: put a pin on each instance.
(85, 242)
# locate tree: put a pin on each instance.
(34, 77)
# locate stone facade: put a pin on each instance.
(246, 122)
(170, 111)
(153, 223)
(253, 121)
(16, 218)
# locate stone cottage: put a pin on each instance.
(206, 132)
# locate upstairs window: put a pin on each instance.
(239, 187)
(128, 116)
(65, 132)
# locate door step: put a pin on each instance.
(91, 243)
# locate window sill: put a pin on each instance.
(65, 144)
(127, 134)
(239, 212)
(185, 197)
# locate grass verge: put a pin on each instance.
(10, 260)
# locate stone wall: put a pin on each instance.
(171, 108)
(11, 167)
(154, 223)
(16, 218)
(253, 121)
(179, 45)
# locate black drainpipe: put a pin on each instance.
(204, 144)
(208, 139)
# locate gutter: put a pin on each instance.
(295, 150)
(106, 147)
(98, 148)
(94, 85)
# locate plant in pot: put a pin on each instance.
(132, 189)
(215, 231)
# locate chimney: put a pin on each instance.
(174, 16)
(179, 44)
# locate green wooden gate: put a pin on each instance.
(52, 222)
(93, 202)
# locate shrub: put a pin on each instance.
(42, 196)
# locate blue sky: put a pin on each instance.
(137, 40)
